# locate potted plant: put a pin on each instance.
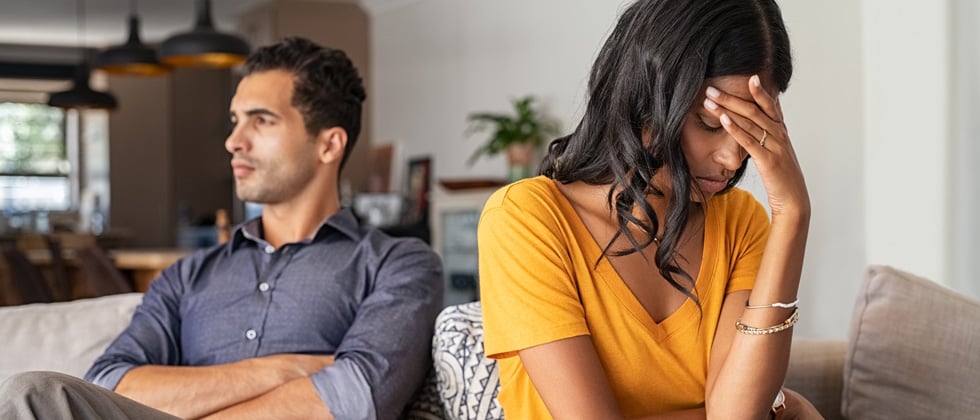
(519, 135)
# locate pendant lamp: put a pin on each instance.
(81, 95)
(133, 57)
(203, 46)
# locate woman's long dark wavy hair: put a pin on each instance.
(645, 80)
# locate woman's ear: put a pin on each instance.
(332, 142)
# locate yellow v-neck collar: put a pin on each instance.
(687, 314)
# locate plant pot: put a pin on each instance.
(519, 159)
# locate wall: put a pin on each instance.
(823, 110)
(907, 86)
(437, 60)
(964, 189)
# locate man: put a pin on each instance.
(304, 313)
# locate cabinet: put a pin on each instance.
(166, 152)
(454, 216)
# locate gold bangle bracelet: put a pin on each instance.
(785, 325)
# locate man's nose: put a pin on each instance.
(235, 140)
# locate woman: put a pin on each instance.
(632, 279)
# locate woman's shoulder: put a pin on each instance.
(527, 194)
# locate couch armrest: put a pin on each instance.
(63, 337)
(816, 370)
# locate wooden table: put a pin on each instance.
(142, 264)
(145, 264)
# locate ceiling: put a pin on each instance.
(103, 23)
(55, 22)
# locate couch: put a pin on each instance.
(911, 354)
(63, 336)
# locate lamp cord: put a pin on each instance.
(80, 16)
(80, 6)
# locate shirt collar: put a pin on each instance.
(343, 221)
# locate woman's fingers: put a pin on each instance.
(750, 109)
(749, 134)
(759, 117)
(740, 132)
(766, 103)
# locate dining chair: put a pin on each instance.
(26, 280)
(61, 284)
(100, 275)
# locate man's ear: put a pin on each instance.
(332, 142)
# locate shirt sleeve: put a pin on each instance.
(152, 337)
(748, 232)
(527, 284)
(386, 353)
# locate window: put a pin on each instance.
(34, 164)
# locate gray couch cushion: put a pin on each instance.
(62, 337)
(913, 352)
(815, 371)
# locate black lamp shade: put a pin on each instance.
(81, 94)
(203, 46)
(131, 58)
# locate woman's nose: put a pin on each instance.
(731, 154)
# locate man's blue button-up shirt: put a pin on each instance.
(350, 291)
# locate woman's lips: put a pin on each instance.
(712, 186)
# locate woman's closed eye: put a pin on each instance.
(706, 127)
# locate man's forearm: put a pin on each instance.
(297, 399)
(191, 392)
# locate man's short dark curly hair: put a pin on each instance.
(327, 88)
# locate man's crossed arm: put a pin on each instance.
(251, 387)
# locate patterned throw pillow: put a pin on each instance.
(462, 384)
(468, 383)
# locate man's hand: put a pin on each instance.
(296, 399)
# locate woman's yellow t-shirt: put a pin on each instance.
(539, 283)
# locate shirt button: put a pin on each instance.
(251, 334)
(270, 249)
(264, 287)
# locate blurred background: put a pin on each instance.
(882, 110)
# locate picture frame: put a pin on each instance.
(418, 184)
